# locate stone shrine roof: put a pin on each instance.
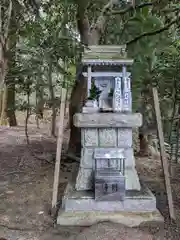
(106, 55)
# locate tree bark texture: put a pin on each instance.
(79, 91)
(51, 91)
(11, 104)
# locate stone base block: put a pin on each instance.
(80, 208)
(89, 218)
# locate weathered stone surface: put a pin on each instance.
(108, 153)
(80, 208)
(114, 190)
(135, 201)
(132, 179)
(124, 138)
(129, 157)
(107, 137)
(87, 159)
(84, 218)
(84, 180)
(90, 138)
(105, 120)
(90, 109)
(113, 163)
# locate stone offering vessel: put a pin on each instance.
(107, 186)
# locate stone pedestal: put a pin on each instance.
(106, 131)
(80, 209)
(110, 132)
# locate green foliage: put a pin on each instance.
(94, 92)
(48, 37)
(52, 36)
(111, 92)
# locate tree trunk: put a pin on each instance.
(77, 100)
(78, 97)
(143, 145)
(3, 117)
(143, 141)
(11, 104)
(39, 100)
(51, 91)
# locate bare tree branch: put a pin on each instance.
(147, 4)
(154, 32)
(121, 12)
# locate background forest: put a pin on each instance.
(41, 43)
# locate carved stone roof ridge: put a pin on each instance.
(106, 55)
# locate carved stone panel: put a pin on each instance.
(107, 137)
(90, 138)
(124, 137)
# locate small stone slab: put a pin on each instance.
(105, 120)
(90, 110)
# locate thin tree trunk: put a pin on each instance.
(37, 117)
(51, 91)
(39, 101)
(3, 117)
(27, 115)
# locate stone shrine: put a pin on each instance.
(107, 186)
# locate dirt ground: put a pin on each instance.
(26, 179)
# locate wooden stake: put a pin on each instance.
(163, 155)
(59, 147)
